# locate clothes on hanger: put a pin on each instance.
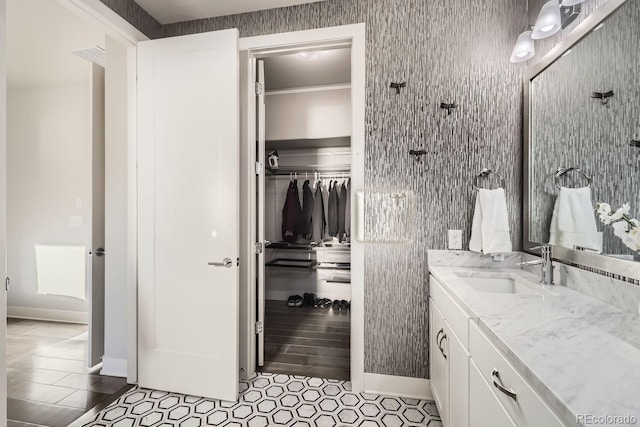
(325, 199)
(333, 208)
(318, 219)
(304, 222)
(291, 212)
(342, 204)
(347, 218)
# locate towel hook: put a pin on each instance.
(485, 173)
(561, 171)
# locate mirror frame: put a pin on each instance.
(628, 269)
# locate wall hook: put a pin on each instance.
(448, 107)
(634, 143)
(418, 154)
(604, 97)
(398, 86)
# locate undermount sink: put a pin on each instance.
(501, 285)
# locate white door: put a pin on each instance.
(260, 214)
(96, 279)
(188, 186)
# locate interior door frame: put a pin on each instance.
(355, 36)
(129, 36)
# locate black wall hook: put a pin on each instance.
(417, 153)
(604, 97)
(634, 143)
(398, 86)
(448, 107)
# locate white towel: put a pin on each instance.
(574, 222)
(490, 228)
(61, 270)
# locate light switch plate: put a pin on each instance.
(455, 239)
(75, 221)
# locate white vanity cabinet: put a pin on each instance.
(449, 358)
(472, 382)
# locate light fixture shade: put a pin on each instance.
(571, 2)
(524, 48)
(549, 21)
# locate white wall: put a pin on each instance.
(48, 177)
(305, 115)
(116, 211)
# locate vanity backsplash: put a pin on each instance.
(619, 293)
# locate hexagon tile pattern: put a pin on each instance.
(269, 400)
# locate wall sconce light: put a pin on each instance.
(549, 21)
(552, 18)
(524, 48)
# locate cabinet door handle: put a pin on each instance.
(495, 375)
(444, 337)
(438, 336)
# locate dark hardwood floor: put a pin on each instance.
(48, 381)
(306, 341)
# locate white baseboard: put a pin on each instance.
(48, 315)
(114, 367)
(389, 385)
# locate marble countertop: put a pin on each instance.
(579, 353)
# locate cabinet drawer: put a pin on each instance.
(527, 409)
(485, 409)
(456, 316)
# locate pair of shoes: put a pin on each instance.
(341, 305)
(294, 301)
(308, 299)
(323, 303)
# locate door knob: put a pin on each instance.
(100, 252)
(227, 262)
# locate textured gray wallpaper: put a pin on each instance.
(572, 129)
(447, 51)
(136, 15)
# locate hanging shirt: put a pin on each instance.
(347, 215)
(290, 213)
(325, 200)
(304, 221)
(318, 220)
(333, 209)
(342, 204)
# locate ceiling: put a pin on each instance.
(40, 37)
(311, 68)
(170, 11)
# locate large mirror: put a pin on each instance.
(582, 144)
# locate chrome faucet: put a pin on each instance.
(546, 262)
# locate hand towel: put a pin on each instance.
(574, 222)
(490, 228)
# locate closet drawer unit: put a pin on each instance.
(334, 275)
(524, 406)
(330, 255)
(455, 315)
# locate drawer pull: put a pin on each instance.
(444, 337)
(496, 376)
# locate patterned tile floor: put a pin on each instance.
(268, 400)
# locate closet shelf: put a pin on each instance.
(291, 263)
(345, 266)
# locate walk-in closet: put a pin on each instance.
(307, 214)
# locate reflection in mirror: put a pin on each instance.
(585, 115)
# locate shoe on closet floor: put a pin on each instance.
(336, 305)
(345, 305)
(294, 301)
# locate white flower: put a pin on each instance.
(603, 208)
(623, 211)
